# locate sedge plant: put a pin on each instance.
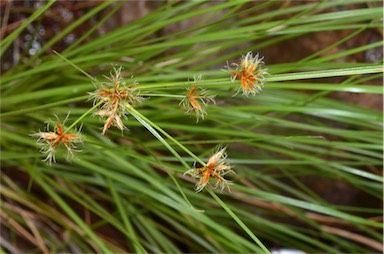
(246, 158)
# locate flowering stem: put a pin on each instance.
(91, 78)
(150, 127)
(239, 221)
(83, 115)
(165, 95)
(219, 83)
(75, 66)
(146, 121)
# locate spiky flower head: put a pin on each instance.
(250, 72)
(114, 94)
(50, 141)
(216, 168)
(196, 100)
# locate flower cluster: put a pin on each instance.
(196, 100)
(115, 98)
(113, 95)
(216, 168)
(250, 72)
(50, 141)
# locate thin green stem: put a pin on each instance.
(150, 126)
(84, 115)
(239, 221)
(138, 116)
(75, 66)
(165, 95)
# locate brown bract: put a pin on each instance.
(50, 141)
(216, 168)
(250, 72)
(114, 94)
(196, 100)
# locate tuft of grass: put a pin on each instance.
(308, 165)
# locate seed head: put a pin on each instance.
(216, 168)
(196, 100)
(50, 141)
(250, 72)
(114, 94)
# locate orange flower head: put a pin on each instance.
(196, 100)
(250, 72)
(50, 141)
(115, 94)
(215, 169)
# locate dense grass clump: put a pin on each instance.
(184, 131)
